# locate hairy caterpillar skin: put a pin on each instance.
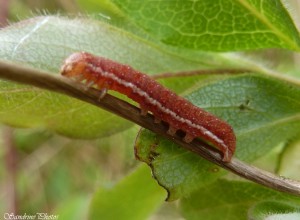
(165, 105)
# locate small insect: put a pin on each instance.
(151, 96)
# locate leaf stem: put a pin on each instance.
(200, 72)
(119, 107)
(253, 65)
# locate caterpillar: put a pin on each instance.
(151, 96)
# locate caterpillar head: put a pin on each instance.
(74, 66)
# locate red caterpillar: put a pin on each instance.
(151, 96)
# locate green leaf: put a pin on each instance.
(270, 210)
(44, 42)
(234, 200)
(95, 6)
(137, 196)
(215, 25)
(107, 11)
(264, 112)
(180, 172)
(26, 106)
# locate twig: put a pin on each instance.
(119, 107)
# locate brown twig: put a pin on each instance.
(119, 107)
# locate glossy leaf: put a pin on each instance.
(264, 112)
(215, 25)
